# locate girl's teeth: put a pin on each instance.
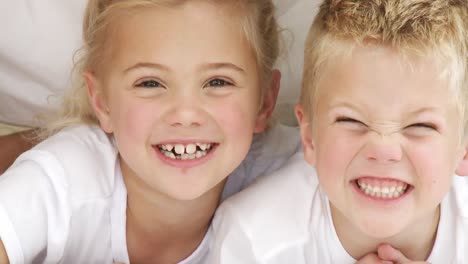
(188, 149)
(185, 152)
(202, 146)
(198, 154)
(169, 155)
(179, 149)
(191, 148)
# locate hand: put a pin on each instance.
(12, 146)
(372, 258)
(388, 253)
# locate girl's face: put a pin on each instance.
(181, 96)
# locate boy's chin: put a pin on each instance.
(382, 230)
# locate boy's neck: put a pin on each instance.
(415, 242)
(165, 230)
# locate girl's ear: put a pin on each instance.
(462, 169)
(97, 100)
(269, 102)
(306, 135)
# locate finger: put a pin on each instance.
(372, 258)
(387, 252)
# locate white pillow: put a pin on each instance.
(295, 17)
(38, 40)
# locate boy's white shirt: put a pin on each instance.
(285, 218)
(64, 201)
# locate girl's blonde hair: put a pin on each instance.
(437, 29)
(257, 19)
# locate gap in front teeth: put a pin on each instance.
(185, 152)
(393, 190)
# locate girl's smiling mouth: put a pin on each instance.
(189, 151)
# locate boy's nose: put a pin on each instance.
(383, 148)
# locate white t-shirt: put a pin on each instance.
(64, 201)
(285, 218)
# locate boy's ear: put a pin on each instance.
(97, 100)
(269, 102)
(306, 135)
(462, 169)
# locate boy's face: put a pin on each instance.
(181, 96)
(384, 141)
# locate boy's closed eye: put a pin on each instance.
(423, 125)
(420, 129)
(351, 124)
(344, 119)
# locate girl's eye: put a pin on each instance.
(218, 83)
(149, 84)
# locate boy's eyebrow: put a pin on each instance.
(426, 109)
(147, 65)
(341, 104)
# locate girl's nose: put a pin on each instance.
(186, 111)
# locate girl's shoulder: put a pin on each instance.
(80, 159)
(58, 197)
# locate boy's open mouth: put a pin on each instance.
(186, 151)
(383, 189)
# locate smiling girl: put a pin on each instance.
(171, 95)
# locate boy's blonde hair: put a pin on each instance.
(434, 28)
(257, 19)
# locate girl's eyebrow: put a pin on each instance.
(221, 65)
(204, 67)
(157, 66)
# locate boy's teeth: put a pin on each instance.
(384, 190)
